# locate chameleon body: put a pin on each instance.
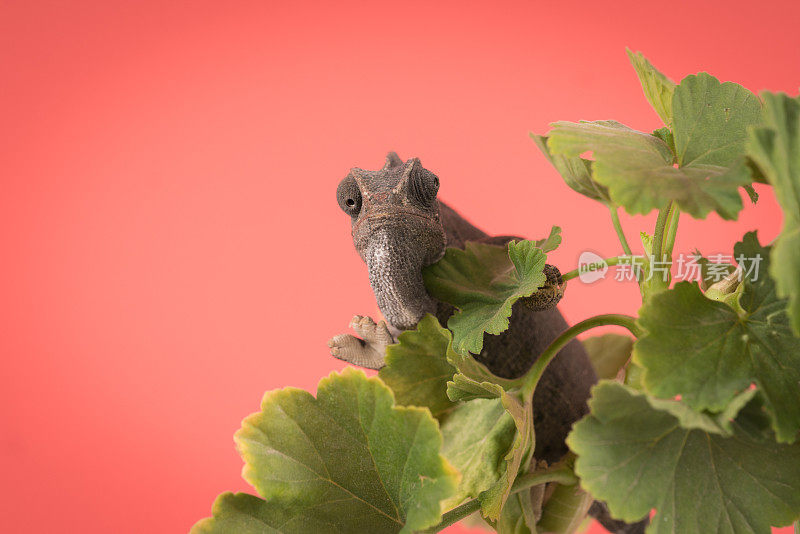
(399, 226)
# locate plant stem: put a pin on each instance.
(455, 515)
(654, 284)
(618, 227)
(562, 475)
(672, 230)
(608, 261)
(658, 234)
(529, 380)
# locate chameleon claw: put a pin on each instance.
(368, 350)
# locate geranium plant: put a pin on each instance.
(697, 412)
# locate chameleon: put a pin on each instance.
(399, 226)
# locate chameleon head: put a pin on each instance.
(397, 231)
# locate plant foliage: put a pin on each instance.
(483, 282)
(637, 457)
(696, 416)
(348, 459)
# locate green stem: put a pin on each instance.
(672, 230)
(608, 261)
(455, 515)
(529, 380)
(658, 234)
(654, 284)
(618, 227)
(637, 269)
(562, 475)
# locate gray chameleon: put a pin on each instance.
(399, 226)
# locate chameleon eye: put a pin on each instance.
(349, 196)
(423, 186)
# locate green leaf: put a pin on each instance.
(517, 517)
(732, 412)
(657, 88)
(551, 242)
(754, 421)
(462, 388)
(576, 172)
(711, 272)
(483, 282)
(637, 169)
(477, 436)
(720, 423)
(247, 514)
(518, 456)
(422, 369)
(636, 458)
(710, 126)
(420, 380)
(474, 372)
(665, 134)
(474, 380)
(728, 291)
(752, 193)
(775, 148)
(608, 353)
(755, 170)
(417, 370)
(706, 352)
(633, 375)
(647, 242)
(565, 510)
(348, 461)
(711, 121)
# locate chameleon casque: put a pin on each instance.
(399, 226)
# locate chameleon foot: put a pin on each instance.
(368, 350)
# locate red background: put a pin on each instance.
(171, 246)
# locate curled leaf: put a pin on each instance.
(657, 88)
